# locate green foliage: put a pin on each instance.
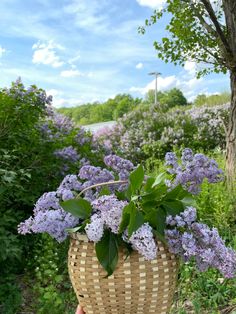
(28, 168)
(169, 99)
(107, 251)
(203, 293)
(212, 100)
(52, 290)
(78, 207)
(112, 109)
(192, 35)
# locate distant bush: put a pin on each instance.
(148, 133)
(112, 109)
(212, 100)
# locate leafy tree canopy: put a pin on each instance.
(173, 97)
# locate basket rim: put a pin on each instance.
(79, 236)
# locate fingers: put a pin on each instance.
(79, 310)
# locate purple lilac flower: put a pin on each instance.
(47, 201)
(81, 137)
(63, 124)
(193, 170)
(48, 215)
(118, 164)
(142, 240)
(70, 182)
(172, 161)
(110, 210)
(94, 175)
(68, 153)
(199, 241)
(65, 194)
(54, 222)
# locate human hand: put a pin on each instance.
(79, 310)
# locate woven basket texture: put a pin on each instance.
(137, 286)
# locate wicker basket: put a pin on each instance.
(136, 287)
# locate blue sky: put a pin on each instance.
(90, 50)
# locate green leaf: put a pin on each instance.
(159, 179)
(72, 230)
(177, 193)
(148, 185)
(173, 207)
(149, 206)
(159, 236)
(126, 217)
(157, 219)
(107, 252)
(77, 207)
(2, 189)
(104, 191)
(136, 178)
(189, 201)
(136, 220)
(156, 194)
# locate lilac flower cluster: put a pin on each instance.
(81, 137)
(54, 222)
(121, 166)
(142, 240)
(191, 239)
(192, 171)
(37, 96)
(108, 214)
(67, 153)
(56, 125)
(48, 216)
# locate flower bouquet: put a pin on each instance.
(128, 230)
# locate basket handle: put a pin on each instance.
(102, 184)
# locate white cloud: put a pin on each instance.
(45, 53)
(73, 60)
(2, 51)
(163, 83)
(71, 73)
(153, 4)
(89, 16)
(139, 65)
(190, 67)
(59, 102)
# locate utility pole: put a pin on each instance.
(156, 75)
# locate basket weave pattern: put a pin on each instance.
(136, 287)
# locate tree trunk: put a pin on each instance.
(231, 136)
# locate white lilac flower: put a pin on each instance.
(95, 228)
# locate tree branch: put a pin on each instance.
(207, 26)
(219, 31)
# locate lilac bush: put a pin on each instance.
(190, 239)
(147, 133)
(192, 170)
(68, 153)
